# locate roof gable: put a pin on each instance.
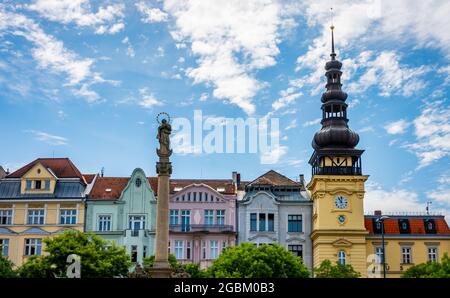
(273, 178)
(61, 167)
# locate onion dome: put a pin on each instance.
(335, 132)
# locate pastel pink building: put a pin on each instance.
(202, 219)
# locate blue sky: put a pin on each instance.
(85, 79)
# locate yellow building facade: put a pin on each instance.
(341, 232)
(42, 199)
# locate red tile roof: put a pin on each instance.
(416, 225)
(88, 178)
(117, 184)
(275, 179)
(61, 167)
(108, 188)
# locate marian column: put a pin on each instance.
(161, 267)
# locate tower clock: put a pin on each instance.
(337, 184)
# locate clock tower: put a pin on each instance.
(337, 184)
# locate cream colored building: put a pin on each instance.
(40, 200)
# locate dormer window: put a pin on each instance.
(37, 184)
(377, 227)
(220, 189)
(404, 226)
(430, 226)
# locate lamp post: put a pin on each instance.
(383, 259)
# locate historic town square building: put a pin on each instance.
(123, 210)
(276, 209)
(39, 200)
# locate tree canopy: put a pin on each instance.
(249, 261)
(98, 258)
(6, 268)
(327, 270)
(430, 269)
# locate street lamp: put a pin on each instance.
(383, 259)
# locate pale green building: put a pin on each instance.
(123, 210)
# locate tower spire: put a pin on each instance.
(333, 54)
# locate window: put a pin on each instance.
(295, 223)
(379, 254)
(47, 184)
(136, 223)
(406, 255)
(209, 217)
(28, 184)
(168, 248)
(68, 216)
(270, 222)
(262, 222)
(296, 250)
(404, 226)
(33, 247)
(37, 184)
(220, 217)
(188, 250)
(36, 217)
(430, 226)
(104, 223)
(253, 222)
(185, 220)
(138, 182)
(179, 249)
(432, 254)
(134, 253)
(203, 249)
(144, 251)
(4, 247)
(213, 249)
(341, 257)
(173, 217)
(5, 216)
(224, 245)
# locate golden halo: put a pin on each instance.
(162, 114)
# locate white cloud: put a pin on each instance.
(51, 54)
(148, 100)
(292, 124)
(105, 20)
(204, 96)
(312, 122)
(360, 23)
(397, 200)
(48, 138)
(386, 72)
(233, 40)
(432, 131)
(397, 127)
(151, 14)
(273, 155)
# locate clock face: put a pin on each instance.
(341, 218)
(341, 202)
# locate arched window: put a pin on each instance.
(341, 257)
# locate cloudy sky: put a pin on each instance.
(85, 79)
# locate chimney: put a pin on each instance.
(302, 179)
(102, 173)
(377, 212)
(236, 178)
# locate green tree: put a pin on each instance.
(173, 262)
(37, 267)
(95, 260)
(6, 268)
(193, 269)
(430, 269)
(327, 270)
(248, 261)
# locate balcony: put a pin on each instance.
(336, 170)
(202, 228)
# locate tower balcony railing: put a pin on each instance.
(336, 170)
(214, 228)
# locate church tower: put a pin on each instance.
(337, 184)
